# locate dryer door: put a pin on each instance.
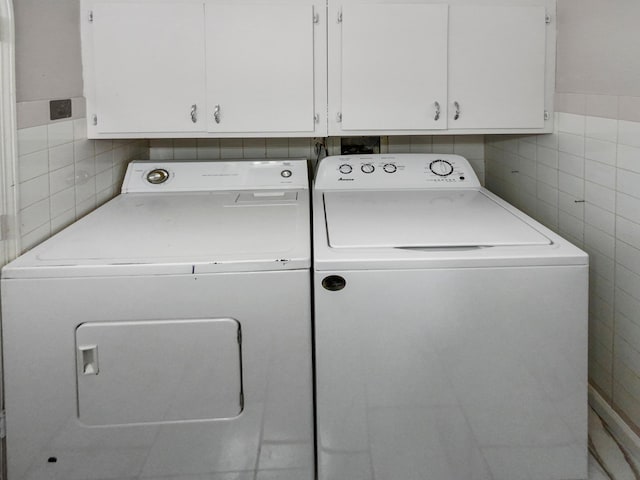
(158, 371)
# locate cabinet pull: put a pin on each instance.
(194, 113)
(456, 105)
(437, 116)
(216, 113)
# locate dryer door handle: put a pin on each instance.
(89, 359)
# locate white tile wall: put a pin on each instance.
(594, 163)
(469, 146)
(63, 175)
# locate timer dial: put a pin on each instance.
(440, 167)
(367, 168)
(345, 168)
(389, 168)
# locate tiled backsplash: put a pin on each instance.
(583, 181)
(63, 175)
(469, 146)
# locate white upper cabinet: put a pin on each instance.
(207, 68)
(312, 68)
(393, 63)
(148, 68)
(486, 67)
(260, 68)
(496, 67)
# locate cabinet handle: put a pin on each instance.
(456, 105)
(194, 113)
(437, 116)
(216, 113)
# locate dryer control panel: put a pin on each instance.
(213, 175)
(382, 171)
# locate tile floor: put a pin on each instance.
(607, 461)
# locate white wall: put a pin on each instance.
(48, 64)
(583, 181)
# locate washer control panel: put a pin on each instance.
(202, 176)
(428, 170)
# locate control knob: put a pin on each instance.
(157, 176)
(367, 168)
(390, 168)
(345, 168)
(440, 167)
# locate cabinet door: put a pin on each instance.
(394, 66)
(260, 75)
(148, 67)
(497, 66)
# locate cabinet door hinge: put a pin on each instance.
(340, 16)
(316, 118)
(316, 17)
(547, 115)
(3, 429)
(547, 19)
(339, 117)
(94, 120)
(91, 16)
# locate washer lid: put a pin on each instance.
(422, 218)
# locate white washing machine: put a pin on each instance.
(167, 335)
(450, 328)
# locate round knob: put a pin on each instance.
(442, 168)
(367, 168)
(390, 168)
(286, 173)
(157, 176)
(345, 168)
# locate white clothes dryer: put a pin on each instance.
(167, 335)
(450, 328)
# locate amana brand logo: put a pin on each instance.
(341, 179)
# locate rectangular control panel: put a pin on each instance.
(382, 171)
(202, 176)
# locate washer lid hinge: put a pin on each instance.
(91, 16)
(316, 17)
(3, 429)
(340, 16)
(547, 19)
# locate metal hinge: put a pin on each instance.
(547, 115)
(94, 119)
(316, 17)
(339, 117)
(316, 118)
(340, 16)
(547, 19)
(3, 429)
(91, 16)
